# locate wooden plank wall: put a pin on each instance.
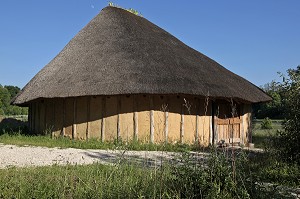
(147, 118)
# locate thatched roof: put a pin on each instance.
(118, 52)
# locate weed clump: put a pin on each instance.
(266, 123)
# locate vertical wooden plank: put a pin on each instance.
(151, 120)
(81, 118)
(46, 128)
(118, 117)
(63, 130)
(42, 116)
(103, 119)
(182, 125)
(212, 124)
(190, 112)
(88, 123)
(37, 117)
(58, 117)
(166, 109)
(166, 125)
(29, 117)
(74, 132)
(95, 117)
(197, 129)
(49, 122)
(242, 125)
(126, 112)
(159, 118)
(111, 119)
(135, 119)
(143, 104)
(175, 103)
(250, 123)
(66, 105)
(53, 116)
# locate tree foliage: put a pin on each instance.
(289, 139)
(6, 95)
(275, 108)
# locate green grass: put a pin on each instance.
(46, 141)
(215, 177)
(261, 136)
(132, 180)
(92, 181)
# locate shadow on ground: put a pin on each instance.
(13, 126)
(144, 158)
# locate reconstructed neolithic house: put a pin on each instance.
(122, 77)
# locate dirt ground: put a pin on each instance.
(24, 156)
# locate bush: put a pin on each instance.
(266, 124)
(219, 174)
(288, 142)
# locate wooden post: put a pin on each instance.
(118, 117)
(151, 120)
(212, 128)
(135, 119)
(197, 122)
(63, 130)
(39, 117)
(242, 124)
(88, 117)
(29, 117)
(74, 118)
(250, 123)
(53, 117)
(45, 117)
(182, 125)
(166, 125)
(103, 119)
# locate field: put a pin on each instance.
(260, 136)
(224, 174)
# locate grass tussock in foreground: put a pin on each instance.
(222, 174)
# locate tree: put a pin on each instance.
(4, 99)
(13, 90)
(6, 95)
(288, 143)
(273, 109)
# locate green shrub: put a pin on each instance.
(266, 124)
(219, 175)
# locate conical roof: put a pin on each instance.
(118, 52)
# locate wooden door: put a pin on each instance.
(227, 122)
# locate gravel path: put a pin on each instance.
(25, 156)
(17, 156)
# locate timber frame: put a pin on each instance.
(147, 118)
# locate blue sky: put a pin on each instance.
(254, 39)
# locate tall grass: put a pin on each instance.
(216, 175)
(20, 139)
(93, 181)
